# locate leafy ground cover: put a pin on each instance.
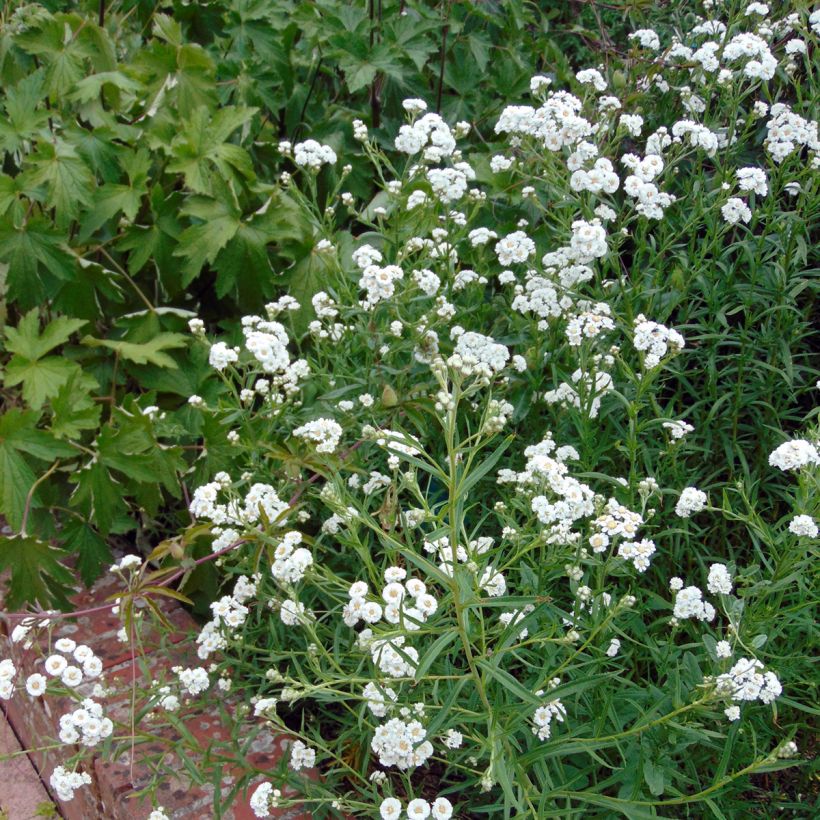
(454, 362)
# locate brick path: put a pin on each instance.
(111, 795)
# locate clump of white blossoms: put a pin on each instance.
(325, 434)
(655, 341)
(803, 525)
(795, 455)
(691, 501)
(65, 783)
(479, 355)
(401, 744)
(313, 155)
(746, 681)
(86, 725)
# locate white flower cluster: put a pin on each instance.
(736, 210)
(396, 443)
(324, 433)
(266, 341)
(430, 134)
(229, 613)
(555, 124)
(394, 659)
(260, 499)
(720, 580)
(544, 715)
(313, 155)
(377, 697)
(65, 783)
(745, 681)
(86, 725)
(655, 341)
(794, 455)
(193, 680)
(689, 603)
(8, 671)
(788, 132)
(401, 743)
(691, 501)
(86, 663)
(803, 525)
(513, 248)
(591, 322)
(301, 756)
(478, 355)
(290, 560)
(677, 429)
(264, 798)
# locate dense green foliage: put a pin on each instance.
(145, 183)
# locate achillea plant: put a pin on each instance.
(449, 522)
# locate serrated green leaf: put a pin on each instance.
(201, 243)
(99, 495)
(93, 553)
(151, 352)
(73, 409)
(68, 180)
(16, 479)
(36, 572)
(29, 249)
(27, 341)
(25, 114)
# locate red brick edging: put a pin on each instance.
(111, 795)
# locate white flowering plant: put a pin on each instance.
(478, 551)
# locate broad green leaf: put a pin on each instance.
(33, 251)
(18, 429)
(202, 148)
(151, 352)
(93, 553)
(73, 408)
(41, 376)
(36, 572)
(99, 495)
(68, 180)
(16, 479)
(27, 341)
(25, 114)
(41, 379)
(654, 776)
(202, 242)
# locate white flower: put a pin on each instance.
(55, 664)
(36, 685)
(691, 500)
(221, 356)
(803, 525)
(723, 649)
(515, 247)
(752, 179)
(689, 603)
(263, 798)
(720, 581)
(795, 454)
(613, 648)
(441, 809)
(732, 713)
(390, 809)
(736, 210)
(418, 809)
